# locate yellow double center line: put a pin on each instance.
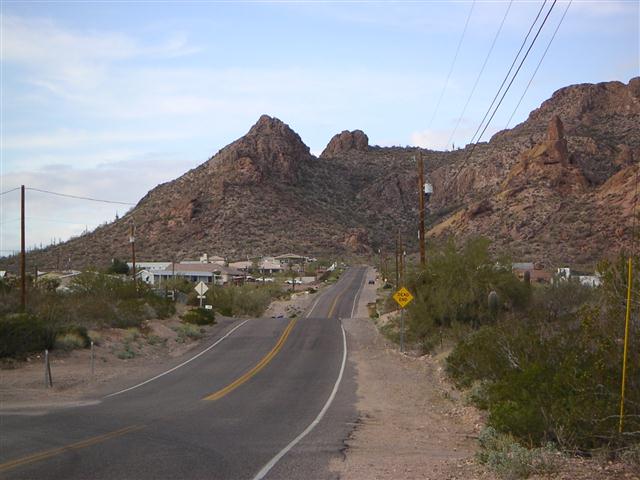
(259, 366)
(67, 448)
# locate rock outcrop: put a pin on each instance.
(344, 142)
(550, 190)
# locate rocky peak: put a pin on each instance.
(270, 150)
(346, 141)
(555, 130)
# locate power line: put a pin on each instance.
(506, 77)
(455, 57)
(518, 69)
(475, 85)
(9, 191)
(539, 63)
(79, 197)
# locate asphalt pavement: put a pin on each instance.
(274, 398)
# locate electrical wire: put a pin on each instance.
(453, 63)
(79, 197)
(506, 77)
(9, 191)
(518, 70)
(484, 64)
(539, 63)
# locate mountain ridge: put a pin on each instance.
(545, 190)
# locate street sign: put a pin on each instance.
(201, 288)
(403, 297)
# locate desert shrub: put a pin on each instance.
(199, 316)
(453, 288)
(187, 332)
(95, 337)
(21, 334)
(511, 460)
(131, 335)
(69, 341)
(243, 300)
(163, 307)
(557, 382)
(127, 352)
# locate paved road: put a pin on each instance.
(226, 414)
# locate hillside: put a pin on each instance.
(558, 188)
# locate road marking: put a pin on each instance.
(178, 366)
(357, 297)
(265, 470)
(259, 366)
(67, 448)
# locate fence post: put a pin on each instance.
(48, 381)
(92, 360)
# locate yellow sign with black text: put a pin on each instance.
(403, 297)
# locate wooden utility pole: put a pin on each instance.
(397, 259)
(132, 241)
(23, 259)
(401, 255)
(421, 203)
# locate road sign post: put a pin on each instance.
(402, 297)
(201, 288)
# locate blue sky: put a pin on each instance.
(108, 99)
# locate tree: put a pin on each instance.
(118, 266)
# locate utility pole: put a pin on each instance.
(397, 259)
(401, 258)
(421, 202)
(23, 260)
(132, 241)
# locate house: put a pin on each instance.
(210, 273)
(535, 273)
(270, 265)
(586, 279)
(291, 259)
(205, 258)
(244, 265)
(150, 266)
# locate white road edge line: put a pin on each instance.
(267, 468)
(178, 366)
(357, 298)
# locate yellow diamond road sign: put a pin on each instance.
(403, 297)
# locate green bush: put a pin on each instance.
(250, 300)
(454, 288)
(22, 334)
(199, 316)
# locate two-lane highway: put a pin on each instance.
(270, 398)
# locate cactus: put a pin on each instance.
(493, 303)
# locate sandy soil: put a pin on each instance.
(155, 348)
(413, 424)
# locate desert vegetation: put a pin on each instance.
(62, 319)
(544, 361)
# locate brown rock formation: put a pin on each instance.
(345, 142)
(548, 190)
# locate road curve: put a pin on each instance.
(233, 412)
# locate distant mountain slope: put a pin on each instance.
(556, 188)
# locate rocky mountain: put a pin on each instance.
(558, 188)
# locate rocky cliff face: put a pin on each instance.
(345, 142)
(558, 188)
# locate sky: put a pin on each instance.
(107, 99)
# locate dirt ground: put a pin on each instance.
(413, 424)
